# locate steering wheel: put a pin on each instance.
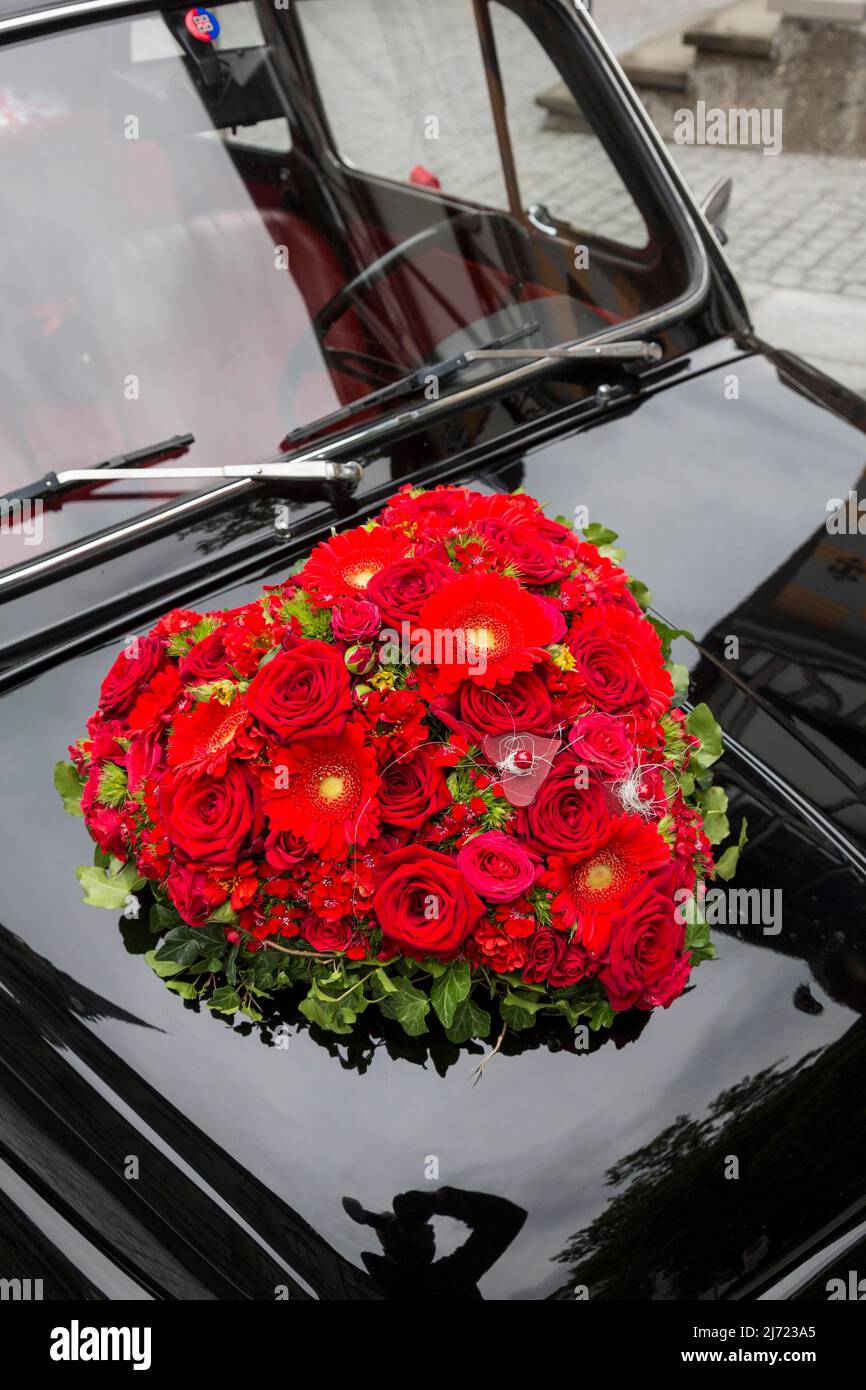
(382, 266)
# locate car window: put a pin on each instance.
(562, 166)
(411, 104)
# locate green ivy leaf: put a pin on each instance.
(599, 535)
(186, 944)
(163, 968)
(185, 988)
(224, 1000)
(726, 865)
(450, 990)
(225, 914)
(469, 1021)
(409, 1006)
(640, 592)
(70, 787)
(111, 892)
(328, 1016)
(515, 1014)
(713, 804)
(701, 725)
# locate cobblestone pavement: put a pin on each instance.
(797, 222)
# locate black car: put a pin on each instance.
(307, 253)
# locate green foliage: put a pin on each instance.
(69, 786)
(726, 864)
(701, 725)
(113, 786)
(102, 888)
(313, 622)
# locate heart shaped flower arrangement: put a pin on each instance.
(441, 767)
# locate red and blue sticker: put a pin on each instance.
(202, 24)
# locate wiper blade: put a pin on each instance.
(53, 485)
(406, 385)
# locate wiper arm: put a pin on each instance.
(53, 485)
(624, 351)
(406, 385)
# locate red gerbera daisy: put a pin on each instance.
(325, 791)
(589, 890)
(481, 627)
(346, 563)
(204, 740)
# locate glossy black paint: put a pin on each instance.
(246, 1145)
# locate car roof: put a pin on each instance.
(30, 12)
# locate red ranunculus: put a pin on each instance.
(302, 693)
(498, 867)
(602, 742)
(353, 619)
(423, 903)
(211, 820)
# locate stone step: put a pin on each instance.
(747, 29)
(833, 11)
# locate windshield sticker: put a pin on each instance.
(202, 24)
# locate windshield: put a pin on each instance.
(232, 226)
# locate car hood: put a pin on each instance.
(159, 1151)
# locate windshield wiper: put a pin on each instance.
(53, 485)
(632, 350)
(406, 385)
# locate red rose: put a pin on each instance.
(544, 950)
(133, 668)
(537, 561)
(572, 965)
(205, 661)
(523, 705)
(191, 893)
(283, 850)
(211, 820)
(303, 691)
(619, 660)
(401, 589)
(498, 867)
(566, 817)
(601, 741)
(327, 936)
(606, 667)
(413, 789)
(645, 961)
(423, 904)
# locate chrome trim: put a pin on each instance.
(78, 7)
(679, 187)
(109, 538)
